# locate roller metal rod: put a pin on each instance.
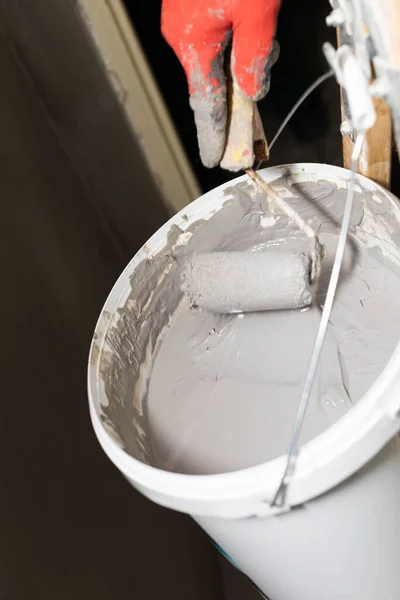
(317, 250)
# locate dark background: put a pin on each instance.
(77, 202)
(312, 135)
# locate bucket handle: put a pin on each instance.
(279, 498)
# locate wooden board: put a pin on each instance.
(375, 159)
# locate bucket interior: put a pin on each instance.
(193, 392)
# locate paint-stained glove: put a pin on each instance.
(199, 31)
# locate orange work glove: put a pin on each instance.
(199, 31)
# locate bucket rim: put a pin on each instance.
(323, 462)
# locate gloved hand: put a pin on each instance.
(199, 32)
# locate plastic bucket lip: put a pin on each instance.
(325, 461)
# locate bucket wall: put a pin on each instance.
(344, 544)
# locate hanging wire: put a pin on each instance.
(299, 102)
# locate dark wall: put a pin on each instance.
(71, 216)
(313, 134)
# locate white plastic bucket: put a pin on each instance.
(339, 535)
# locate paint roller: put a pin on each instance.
(234, 282)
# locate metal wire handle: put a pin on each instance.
(279, 497)
(294, 108)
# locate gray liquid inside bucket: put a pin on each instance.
(193, 392)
